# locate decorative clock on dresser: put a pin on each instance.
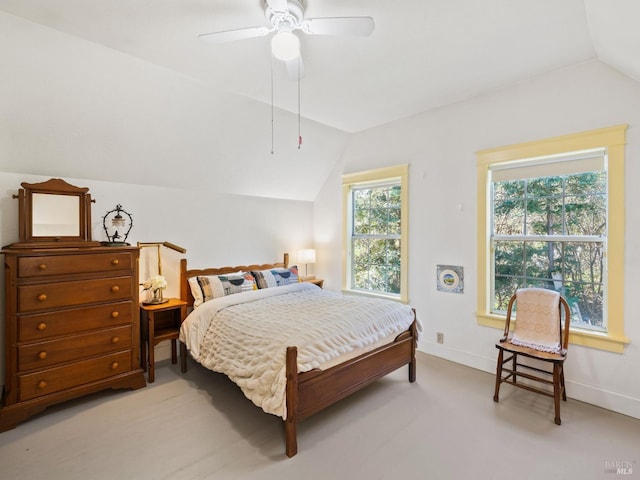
(71, 306)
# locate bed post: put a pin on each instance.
(286, 260)
(184, 295)
(292, 401)
(414, 340)
(183, 280)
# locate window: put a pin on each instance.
(551, 215)
(375, 221)
(550, 231)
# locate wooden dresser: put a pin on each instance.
(71, 326)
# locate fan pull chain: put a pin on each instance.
(299, 135)
(272, 108)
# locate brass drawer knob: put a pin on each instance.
(115, 289)
(42, 297)
(42, 266)
(42, 355)
(115, 340)
(41, 326)
(114, 365)
(115, 314)
(42, 384)
(115, 262)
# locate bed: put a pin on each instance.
(314, 374)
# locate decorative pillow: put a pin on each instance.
(196, 291)
(264, 278)
(214, 286)
(286, 276)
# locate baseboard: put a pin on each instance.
(459, 356)
(603, 398)
(585, 393)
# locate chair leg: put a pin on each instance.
(514, 366)
(498, 375)
(556, 392)
(564, 388)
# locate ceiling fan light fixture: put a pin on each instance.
(285, 46)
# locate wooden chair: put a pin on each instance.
(538, 334)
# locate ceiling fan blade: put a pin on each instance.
(232, 35)
(292, 68)
(278, 5)
(358, 26)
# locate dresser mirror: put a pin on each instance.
(54, 213)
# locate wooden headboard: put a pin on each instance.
(185, 275)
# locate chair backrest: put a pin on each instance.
(538, 322)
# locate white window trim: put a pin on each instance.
(376, 177)
(611, 138)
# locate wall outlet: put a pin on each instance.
(440, 337)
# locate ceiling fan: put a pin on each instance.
(286, 16)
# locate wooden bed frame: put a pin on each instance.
(310, 392)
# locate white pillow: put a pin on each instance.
(196, 291)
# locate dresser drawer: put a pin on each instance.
(53, 380)
(53, 352)
(64, 294)
(68, 264)
(41, 326)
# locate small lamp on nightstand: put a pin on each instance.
(305, 257)
(156, 283)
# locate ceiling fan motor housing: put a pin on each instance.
(288, 20)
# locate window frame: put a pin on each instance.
(398, 173)
(613, 139)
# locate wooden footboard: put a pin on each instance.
(310, 392)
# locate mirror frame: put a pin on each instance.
(54, 186)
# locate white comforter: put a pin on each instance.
(245, 335)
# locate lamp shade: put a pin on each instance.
(306, 256)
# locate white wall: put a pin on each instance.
(440, 147)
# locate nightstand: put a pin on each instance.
(316, 281)
(158, 323)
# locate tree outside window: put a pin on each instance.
(550, 232)
(375, 222)
(376, 238)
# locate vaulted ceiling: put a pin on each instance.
(423, 54)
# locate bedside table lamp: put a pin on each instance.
(305, 257)
(159, 279)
